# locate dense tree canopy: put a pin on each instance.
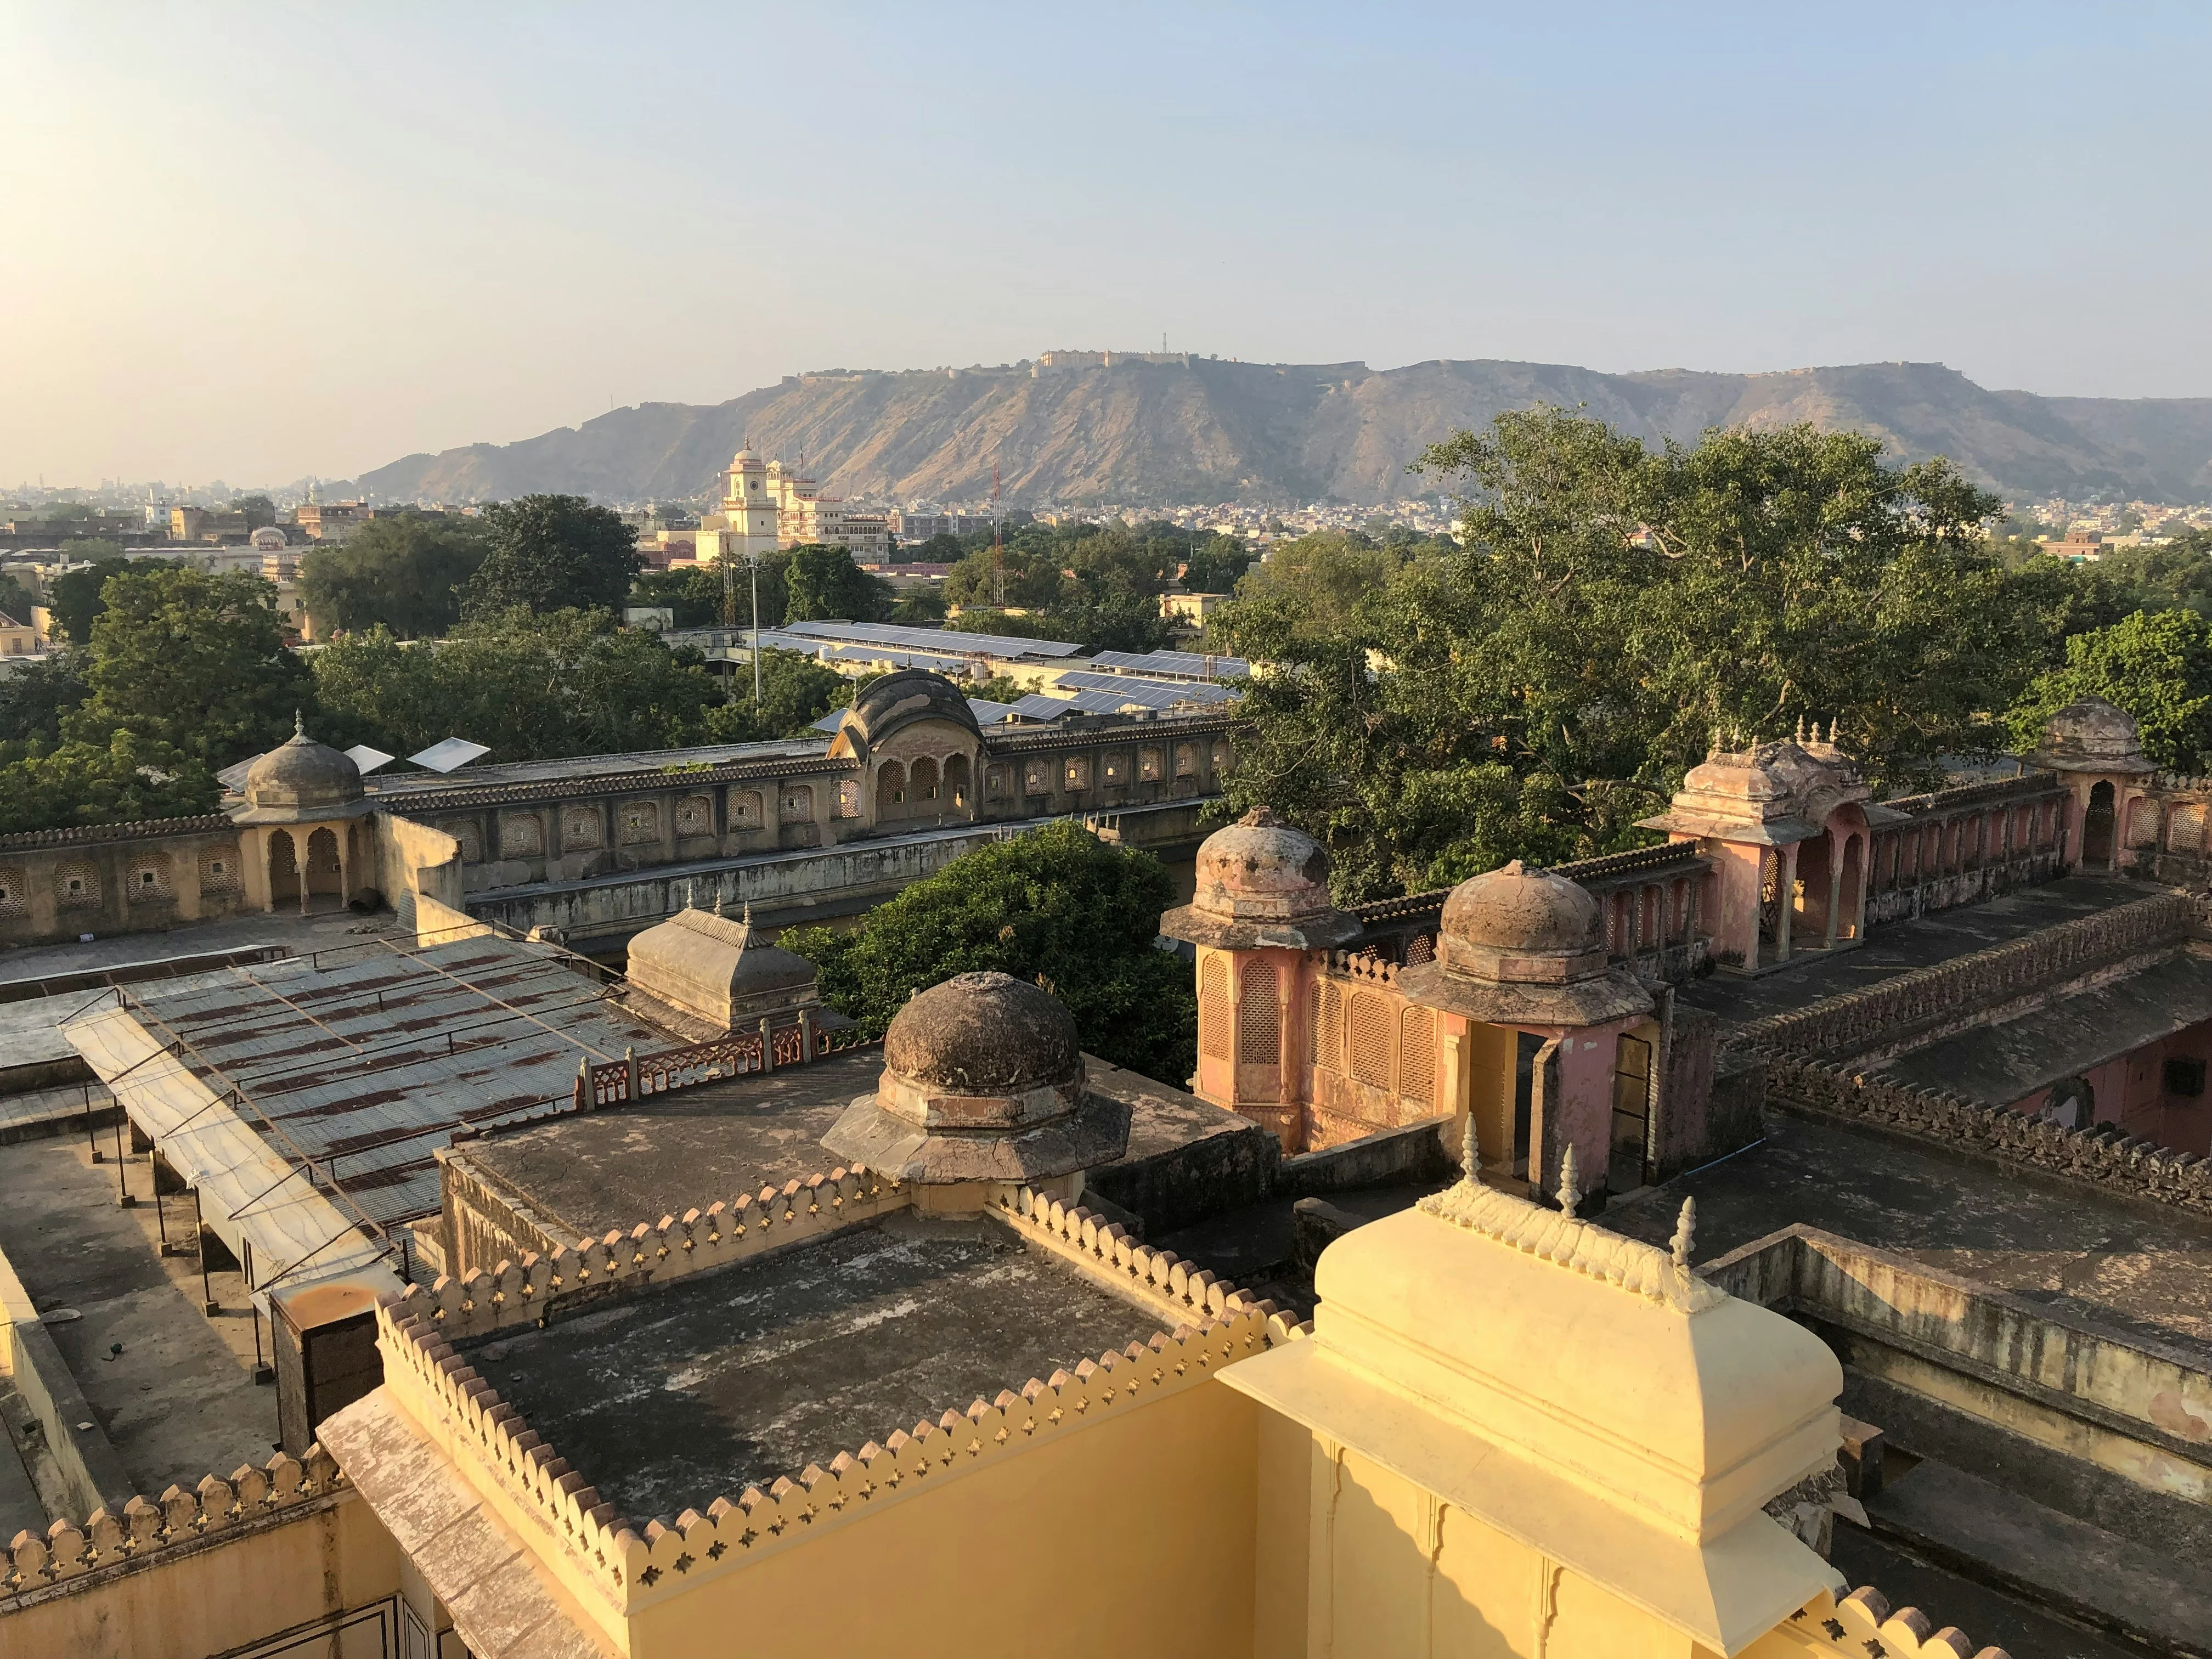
(2157, 665)
(532, 687)
(821, 583)
(1535, 692)
(181, 657)
(1056, 907)
(126, 779)
(74, 599)
(552, 553)
(796, 690)
(1097, 585)
(403, 573)
(694, 594)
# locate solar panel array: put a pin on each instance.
(1149, 694)
(987, 714)
(1187, 664)
(949, 640)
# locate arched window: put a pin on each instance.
(1417, 1056)
(891, 791)
(921, 783)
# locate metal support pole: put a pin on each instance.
(209, 1305)
(91, 1140)
(161, 1216)
(261, 1371)
(755, 562)
(123, 1198)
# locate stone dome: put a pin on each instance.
(1517, 911)
(1517, 947)
(983, 1033)
(302, 779)
(2091, 735)
(1263, 869)
(899, 699)
(982, 1085)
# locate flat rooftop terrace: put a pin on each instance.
(2135, 1268)
(735, 1377)
(1898, 947)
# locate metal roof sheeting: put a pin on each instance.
(1149, 694)
(1180, 665)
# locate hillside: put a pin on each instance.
(1191, 429)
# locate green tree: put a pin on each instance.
(15, 600)
(1056, 907)
(1321, 579)
(404, 573)
(190, 659)
(943, 548)
(74, 598)
(532, 687)
(548, 553)
(1215, 564)
(34, 702)
(1538, 691)
(1033, 578)
(1000, 688)
(796, 690)
(695, 592)
(124, 780)
(2156, 664)
(824, 584)
(919, 607)
(260, 512)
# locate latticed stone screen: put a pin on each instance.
(1259, 1031)
(640, 822)
(799, 804)
(1417, 1055)
(1332, 1029)
(1313, 1024)
(745, 807)
(1213, 1009)
(149, 881)
(221, 869)
(1370, 1039)
(520, 835)
(76, 885)
(464, 831)
(581, 829)
(695, 816)
(14, 901)
(2187, 834)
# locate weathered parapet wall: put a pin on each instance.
(2102, 1157)
(91, 1472)
(539, 1287)
(793, 885)
(1967, 844)
(139, 878)
(1916, 1008)
(2166, 834)
(254, 1508)
(415, 860)
(2128, 1407)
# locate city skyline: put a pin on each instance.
(313, 243)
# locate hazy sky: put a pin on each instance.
(258, 241)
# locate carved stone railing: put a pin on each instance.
(1920, 1001)
(635, 1076)
(110, 1540)
(1861, 1624)
(2103, 1157)
(522, 1292)
(2031, 785)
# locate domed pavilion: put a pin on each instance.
(982, 1087)
(304, 844)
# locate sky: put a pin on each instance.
(261, 242)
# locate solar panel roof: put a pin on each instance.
(1150, 694)
(953, 640)
(1188, 665)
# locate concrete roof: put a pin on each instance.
(735, 1377)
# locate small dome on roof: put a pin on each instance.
(719, 970)
(2091, 735)
(1263, 869)
(983, 1033)
(301, 778)
(1522, 912)
(899, 699)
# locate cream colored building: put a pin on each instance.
(768, 505)
(746, 526)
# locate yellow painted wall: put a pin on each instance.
(190, 1602)
(1133, 1538)
(1398, 1574)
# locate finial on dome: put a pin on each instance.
(1470, 1154)
(1686, 1234)
(749, 913)
(299, 724)
(1571, 1190)
(1801, 731)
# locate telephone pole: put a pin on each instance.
(998, 546)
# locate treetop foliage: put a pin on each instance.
(1534, 692)
(404, 573)
(552, 553)
(1056, 907)
(2156, 664)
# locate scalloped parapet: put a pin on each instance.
(1862, 1624)
(1580, 1246)
(111, 1539)
(2104, 1155)
(1106, 1252)
(636, 1565)
(519, 1292)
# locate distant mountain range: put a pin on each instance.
(1153, 428)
